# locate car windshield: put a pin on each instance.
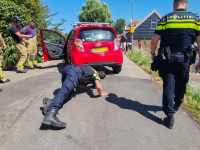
(96, 35)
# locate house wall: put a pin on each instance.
(146, 44)
(144, 30)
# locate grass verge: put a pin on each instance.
(192, 97)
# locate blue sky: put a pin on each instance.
(69, 9)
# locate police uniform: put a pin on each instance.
(20, 47)
(71, 78)
(178, 31)
(32, 46)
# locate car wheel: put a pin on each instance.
(117, 69)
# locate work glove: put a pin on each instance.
(155, 64)
(31, 35)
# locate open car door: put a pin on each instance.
(52, 44)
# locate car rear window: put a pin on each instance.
(89, 35)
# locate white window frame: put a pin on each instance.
(154, 21)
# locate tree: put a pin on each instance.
(94, 11)
(56, 27)
(119, 25)
(27, 10)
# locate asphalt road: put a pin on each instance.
(129, 119)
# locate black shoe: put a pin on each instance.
(22, 71)
(38, 67)
(169, 122)
(1, 90)
(177, 107)
(46, 103)
(8, 80)
(30, 67)
(51, 120)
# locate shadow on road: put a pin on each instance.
(106, 70)
(136, 106)
(61, 66)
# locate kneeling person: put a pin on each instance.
(72, 76)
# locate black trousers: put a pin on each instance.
(175, 76)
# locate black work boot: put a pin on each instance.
(177, 107)
(46, 103)
(51, 119)
(169, 122)
(1, 90)
(22, 71)
(7, 80)
(31, 68)
(38, 67)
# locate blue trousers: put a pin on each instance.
(175, 76)
(70, 77)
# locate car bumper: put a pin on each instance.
(106, 63)
(115, 59)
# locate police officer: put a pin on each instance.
(177, 30)
(31, 45)
(2, 78)
(72, 76)
(19, 43)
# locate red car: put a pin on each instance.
(94, 44)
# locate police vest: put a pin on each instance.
(178, 30)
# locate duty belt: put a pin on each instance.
(177, 53)
(81, 76)
(80, 70)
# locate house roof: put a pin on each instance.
(136, 22)
(154, 11)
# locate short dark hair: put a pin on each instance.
(33, 21)
(102, 74)
(180, 1)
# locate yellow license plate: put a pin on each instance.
(99, 50)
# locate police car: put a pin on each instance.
(88, 43)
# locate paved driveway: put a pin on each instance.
(129, 119)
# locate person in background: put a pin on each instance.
(139, 44)
(129, 46)
(123, 41)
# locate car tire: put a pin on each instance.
(117, 69)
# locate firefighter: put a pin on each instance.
(20, 43)
(2, 78)
(31, 45)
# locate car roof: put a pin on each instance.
(87, 27)
(82, 25)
